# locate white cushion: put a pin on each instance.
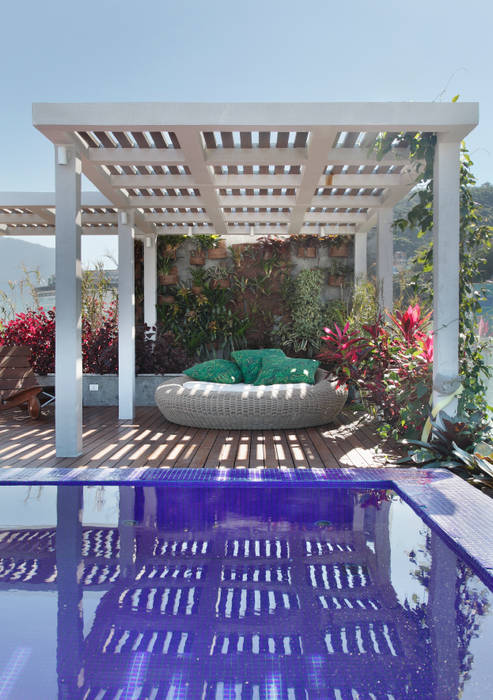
(246, 389)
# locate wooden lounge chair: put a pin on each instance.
(18, 383)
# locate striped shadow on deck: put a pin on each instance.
(151, 441)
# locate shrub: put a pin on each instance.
(158, 352)
(302, 333)
(391, 366)
(36, 330)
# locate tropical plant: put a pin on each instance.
(36, 330)
(158, 352)
(459, 444)
(390, 364)
(344, 349)
(475, 241)
(364, 307)
(301, 334)
(96, 293)
(204, 324)
(205, 241)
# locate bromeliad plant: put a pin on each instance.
(459, 444)
(390, 365)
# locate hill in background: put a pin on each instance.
(13, 255)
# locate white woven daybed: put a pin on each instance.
(248, 407)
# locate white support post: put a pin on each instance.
(126, 316)
(385, 258)
(68, 270)
(150, 280)
(446, 233)
(360, 261)
(441, 618)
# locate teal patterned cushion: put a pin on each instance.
(250, 361)
(221, 371)
(287, 370)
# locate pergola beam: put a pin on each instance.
(320, 143)
(191, 143)
(246, 181)
(459, 118)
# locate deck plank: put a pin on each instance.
(150, 441)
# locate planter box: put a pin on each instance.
(218, 253)
(169, 279)
(107, 388)
(339, 251)
(197, 258)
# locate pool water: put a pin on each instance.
(238, 593)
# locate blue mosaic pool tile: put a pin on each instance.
(461, 513)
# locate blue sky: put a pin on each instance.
(218, 50)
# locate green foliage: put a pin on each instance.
(475, 241)
(302, 333)
(364, 309)
(96, 294)
(458, 444)
(204, 324)
(8, 302)
(204, 241)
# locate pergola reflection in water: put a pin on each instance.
(218, 600)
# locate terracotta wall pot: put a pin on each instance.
(310, 252)
(197, 289)
(218, 253)
(197, 258)
(221, 284)
(336, 280)
(167, 299)
(169, 252)
(170, 278)
(339, 251)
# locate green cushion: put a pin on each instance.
(250, 361)
(222, 371)
(287, 370)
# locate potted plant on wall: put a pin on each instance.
(338, 246)
(168, 245)
(199, 280)
(201, 244)
(167, 272)
(274, 247)
(218, 251)
(337, 274)
(219, 277)
(307, 245)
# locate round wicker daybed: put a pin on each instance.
(254, 408)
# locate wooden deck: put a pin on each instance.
(151, 441)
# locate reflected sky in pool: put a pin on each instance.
(275, 593)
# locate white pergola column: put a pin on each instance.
(150, 280)
(385, 258)
(360, 261)
(441, 617)
(446, 234)
(68, 270)
(126, 315)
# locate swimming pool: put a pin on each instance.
(255, 587)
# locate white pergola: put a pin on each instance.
(232, 169)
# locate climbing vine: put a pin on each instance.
(474, 243)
